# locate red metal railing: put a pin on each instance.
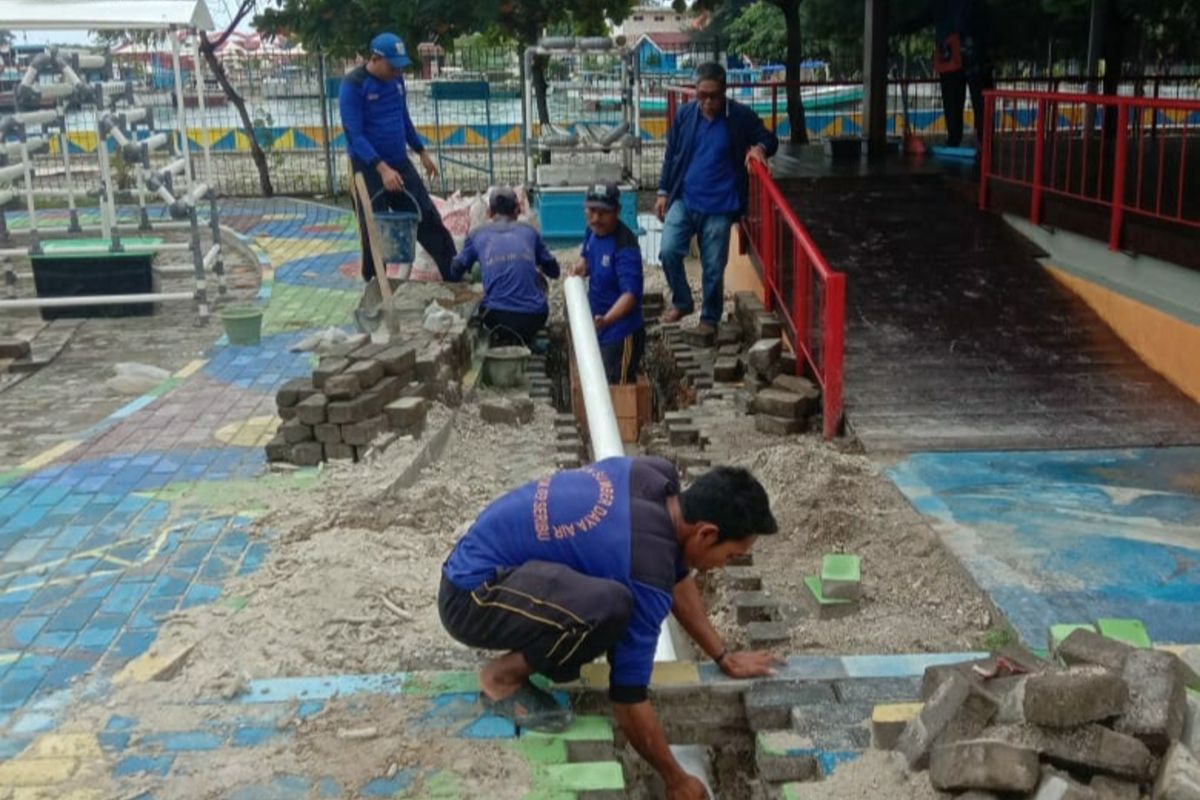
(801, 287)
(1127, 154)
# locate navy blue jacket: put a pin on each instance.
(376, 120)
(745, 131)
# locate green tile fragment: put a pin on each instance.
(838, 567)
(1130, 631)
(546, 751)
(584, 729)
(814, 585)
(430, 684)
(236, 603)
(591, 777)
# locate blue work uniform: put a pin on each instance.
(614, 264)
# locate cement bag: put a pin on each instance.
(438, 319)
(136, 378)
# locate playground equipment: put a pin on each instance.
(561, 162)
(121, 126)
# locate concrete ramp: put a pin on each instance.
(958, 339)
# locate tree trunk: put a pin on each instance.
(256, 151)
(540, 87)
(791, 14)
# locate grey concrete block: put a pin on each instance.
(326, 369)
(987, 764)
(336, 451)
(769, 705)
(1191, 725)
(1073, 697)
(958, 703)
(699, 338)
(755, 607)
(766, 326)
(797, 385)
(406, 414)
(312, 410)
(508, 411)
(328, 433)
(308, 454)
(288, 413)
(399, 362)
(368, 373)
(935, 676)
(767, 635)
(278, 450)
(743, 579)
(1086, 647)
(875, 691)
(683, 435)
(1157, 699)
(289, 395)
(367, 351)
(727, 370)
(1179, 778)
(360, 434)
(347, 412)
(779, 403)
(1091, 749)
(1055, 785)
(295, 432)
(1106, 788)
(782, 756)
(14, 348)
(763, 356)
(342, 387)
(777, 426)
(834, 727)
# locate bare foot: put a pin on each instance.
(502, 677)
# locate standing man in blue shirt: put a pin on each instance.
(379, 131)
(510, 254)
(589, 562)
(611, 260)
(704, 189)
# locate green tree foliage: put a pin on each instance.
(759, 33)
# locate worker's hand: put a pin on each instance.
(687, 788)
(660, 208)
(430, 165)
(756, 153)
(579, 269)
(600, 321)
(750, 664)
(391, 178)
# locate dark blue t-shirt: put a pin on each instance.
(710, 183)
(376, 120)
(606, 520)
(510, 253)
(614, 267)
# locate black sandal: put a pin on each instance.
(530, 708)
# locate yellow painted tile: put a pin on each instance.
(36, 771)
(65, 745)
(895, 712)
(153, 666)
(252, 432)
(191, 368)
(8, 658)
(55, 793)
(675, 673)
(59, 450)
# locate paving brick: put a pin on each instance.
(348, 412)
(1179, 778)
(684, 435)
(287, 413)
(295, 432)
(326, 369)
(727, 370)
(1157, 699)
(389, 389)
(878, 690)
(700, 338)
(1083, 646)
(343, 386)
(1089, 749)
(406, 414)
(278, 450)
(767, 635)
(987, 764)
(958, 703)
(1056, 785)
(785, 756)
(308, 454)
(888, 721)
(368, 372)
(368, 351)
(506, 411)
(841, 577)
(1106, 788)
(1073, 697)
(822, 607)
(778, 403)
(328, 433)
(834, 727)
(289, 394)
(742, 579)
(935, 676)
(312, 410)
(763, 356)
(14, 348)
(755, 607)
(360, 434)
(778, 426)
(800, 386)
(765, 326)
(339, 452)
(769, 705)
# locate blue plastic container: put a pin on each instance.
(398, 233)
(561, 215)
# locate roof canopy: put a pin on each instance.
(93, 15)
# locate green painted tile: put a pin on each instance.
(791, 791)
(547, 750)
(10, 476)
(583, 729)
(430, 684)
(814, 585)
(549, 794)
(846, 568)
(592, 777)
(164, 387)
(1130, 631)
(236, 603)
(1060, 632)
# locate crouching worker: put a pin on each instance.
(611, 260)
(589, 562)
(510, 254)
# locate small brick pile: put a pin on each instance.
(359, 393)
(1101, 720)
(782, 402)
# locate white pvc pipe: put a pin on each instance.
(94, 300)
(13, 171)
(36, 117)
(199, 191)
(135, 115)
(14, 252)
(91, 61)
(34, 143)
(181, 106)
(53, 91)
(6, 195)
(210, 258)
(204, 143)
(76, 193)
(156, 142)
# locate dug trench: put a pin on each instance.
(350, 582)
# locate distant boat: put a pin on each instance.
(813, 97)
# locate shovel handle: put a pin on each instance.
(368, 212)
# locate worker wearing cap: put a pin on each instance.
(511, 255)
(589, 562)
(379, 132)
(611, 259)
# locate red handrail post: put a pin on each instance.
(1039, 156)
(802, 278)
(985, 163)
(833, 350)
(672, 106)
(1118, 185)
(768, 250)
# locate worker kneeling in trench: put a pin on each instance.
(588, 562)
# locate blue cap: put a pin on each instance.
(391, 47)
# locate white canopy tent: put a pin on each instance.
(93, 15)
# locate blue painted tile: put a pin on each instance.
(25, 630)
(124, 597)
(168, 586)
(139, 765)
(71, 536)
(146, 616)
(255, 555)
(76, 567)
(117, 722)
(489, 726)
(249, 736)
(97, 585)
(191, 556)
(53, 641)
(387, 787)
(208, 530)
(34, 722)
(12, 746)
(24, 551)
(100, 632)
(74, 615)
(199, 594)
(180, 741)
(132, 644)
(309, 707)
(215, 570)
(328, 787)
(26, 518)
(16, 687)
(68, 669)
(116, 741)
(233, 543)
(49, 599)
(50, 496)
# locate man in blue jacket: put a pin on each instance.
(510, 254)
(379, 131)
(704, 189)
(589, 562)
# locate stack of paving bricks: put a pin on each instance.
(570, 451)
(356, 394)
(1102, 719)
(836, 591)
(782, 402)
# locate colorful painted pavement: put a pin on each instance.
(1072, 537)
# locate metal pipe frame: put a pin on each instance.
(214, 224)
(181, 106)
(198, 265)
(93, 300)
(200, 100)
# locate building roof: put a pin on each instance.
(661, 40)
(91, 15)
